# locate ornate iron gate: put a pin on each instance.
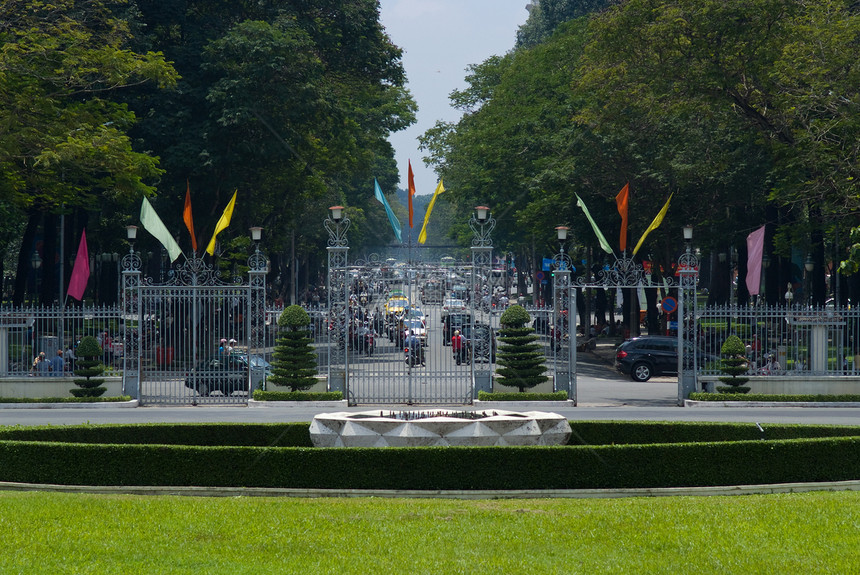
(623, 273)
(194, 339)
(393, 321)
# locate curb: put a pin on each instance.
(71, 405)
(180, 491)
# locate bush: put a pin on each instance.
(294, 364)
(504, 396)
(601, 455)
(87, 367)
(521, 361)
(734, 364)
(260, 395)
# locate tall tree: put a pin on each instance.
(64, 141)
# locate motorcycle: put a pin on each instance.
(414, 355)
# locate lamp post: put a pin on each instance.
(481, 224)
(131, 266)
(36, 262)
(808, 266)
(337, 225)
(688, 277)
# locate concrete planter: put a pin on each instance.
(38, 387)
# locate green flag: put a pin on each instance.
(153, 224)
(603, 243)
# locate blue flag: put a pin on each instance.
(395, 224)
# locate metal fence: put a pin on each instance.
(788, 341)
(26, 333)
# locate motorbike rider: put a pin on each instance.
(413, 348)
(457, 346)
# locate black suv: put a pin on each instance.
(647, 355)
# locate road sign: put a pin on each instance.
(669, 304)
(539, 276)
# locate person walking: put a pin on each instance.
(457, 346)
(57, 364)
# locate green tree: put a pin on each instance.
(734, 364)
(88, 367)
(294, 359)
(64, 144)
(520, 357)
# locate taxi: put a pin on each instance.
(396, 304)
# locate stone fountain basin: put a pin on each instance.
(438, 428)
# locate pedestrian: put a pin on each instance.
(69, 357)
(43, 366)
(57, 364)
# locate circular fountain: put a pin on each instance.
(419, 428)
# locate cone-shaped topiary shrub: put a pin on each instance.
(88, 367)
(520, 357)
(734, 364)
(294, 364)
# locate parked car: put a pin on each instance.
(646, 356)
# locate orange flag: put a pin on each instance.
(186, 215)
(621, 201)
(411, 191)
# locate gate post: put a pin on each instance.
(564, 336)
(688, 274)
(482, 224)
(131, 265)
(257, 268)
(338, 300)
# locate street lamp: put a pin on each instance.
(336, 213)
(688, 236)
(36, 262)
(256, 234)
(482, 213)
(808, 266)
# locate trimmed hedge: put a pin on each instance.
(603, 455)
(699, 396)
(518, 396)
(260, 395)
(65, 399)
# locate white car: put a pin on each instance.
(453, 305)
(418, 327)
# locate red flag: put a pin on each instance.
(621, 200)
(81, 271)
(411, 191)
(186, 215)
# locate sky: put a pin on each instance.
(440, 39)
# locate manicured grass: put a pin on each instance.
(65, 533)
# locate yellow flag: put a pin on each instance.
(222, 223)
(655, 224)
(422, 237)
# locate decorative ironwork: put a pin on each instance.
(337, 231)
(482, 259)
(563, 336)
(688, 345)
(482, 230)
(338, 303)
(131, 266)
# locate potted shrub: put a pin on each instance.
(87, 369)
(734, 364)
(294, 364)
(520, 357)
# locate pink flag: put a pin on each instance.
(81, 271)
(755, 249)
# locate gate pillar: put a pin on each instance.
(337, 225)
(563, 321)
(131, 265)
(256, 328)
(688, 345)
(482, 224)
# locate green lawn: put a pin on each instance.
(56, 533)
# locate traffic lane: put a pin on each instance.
(280, 414)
